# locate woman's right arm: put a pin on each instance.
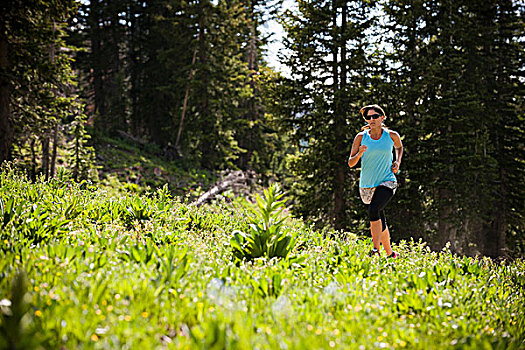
(357, 150)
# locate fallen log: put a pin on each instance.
(238, 181)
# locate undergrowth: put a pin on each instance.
(87, 267)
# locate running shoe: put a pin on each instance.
(394, 255)
(374, 252)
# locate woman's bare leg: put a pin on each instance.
(375, 229)
(380, 199)
(385, 240)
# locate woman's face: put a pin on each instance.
(374, 118)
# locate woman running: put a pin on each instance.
(377, 183)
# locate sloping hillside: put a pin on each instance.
(137, 166)
(88, 267)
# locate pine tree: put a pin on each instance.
(504, 223)
(252, 129)
(328, 63)
(447, 75)
(40, 96)
(6, 123)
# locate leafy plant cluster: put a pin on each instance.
(266, 237)
(150, 271)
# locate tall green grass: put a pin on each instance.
(88, 267)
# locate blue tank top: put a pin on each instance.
(376, 162)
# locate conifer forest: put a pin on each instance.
(158, 155)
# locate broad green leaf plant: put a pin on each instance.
(266, 237)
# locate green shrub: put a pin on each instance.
(266, 237)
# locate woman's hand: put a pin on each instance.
(395, 166)
(362, 149)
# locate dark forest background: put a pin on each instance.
(190, 79)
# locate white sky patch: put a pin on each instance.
(275, 42)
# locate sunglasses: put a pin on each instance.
(373, 116)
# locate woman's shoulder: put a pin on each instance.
(360, 135)
(391, 132)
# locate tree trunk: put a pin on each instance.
(447, 223)
(494, 232)
(6, 126)
(132, 68)
(338, 218)
(207, 125)
(76, 167)
(252, 104)
(52, 54)
(45, 155)
(186, 95)
(339, 200)
(344, 12)
(54, 152)
(33, 158)
(98, 85)
(114, 85)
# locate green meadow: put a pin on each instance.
(85, 266)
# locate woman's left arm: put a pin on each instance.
(398, 145)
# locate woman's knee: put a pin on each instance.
(373, 212)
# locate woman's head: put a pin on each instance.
(373, 115)
(371, 110)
